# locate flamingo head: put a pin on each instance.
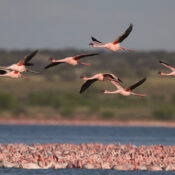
(91, 44)
(52, 60)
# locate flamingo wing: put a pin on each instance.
(2, 72)
(166, 65)
(123, 35)
(116, 84)
(27, 58)
(84, 55)
(87, 84)
(136, 84)
(52, 64)
(112, 77)
(95, 40)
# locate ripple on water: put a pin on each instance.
(16, 171)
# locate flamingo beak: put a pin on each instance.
(91, 44)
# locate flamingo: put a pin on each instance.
(70, 60)
(21, 65)
(113, 46)
(101, 77)
(168, 66)
(11, 74)
(127, 91)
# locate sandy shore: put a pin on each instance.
(88, 122)
(88, 156)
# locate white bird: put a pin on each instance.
(113, 46)
(127, 91)
(70, 60)
(172, 73)
(101, 77)
(11, 74)
(21, 65)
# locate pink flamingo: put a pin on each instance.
(21, 65)
(70, 60)
(172, 73)
(127, 91)
(113, 46)
(98, 77)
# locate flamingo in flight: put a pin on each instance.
(70, 60)
(113, 46)
(21, 65)
(11, 74)
(172, 73)
(127, 91)
(98, 77)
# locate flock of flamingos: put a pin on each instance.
(89, 156)
(15, 70)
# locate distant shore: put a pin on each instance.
(88, 122)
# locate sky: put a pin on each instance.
(58, 24)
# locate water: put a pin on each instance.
(84, 134)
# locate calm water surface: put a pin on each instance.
(84, 134)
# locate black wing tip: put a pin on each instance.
(160, 61)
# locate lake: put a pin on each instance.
(28, 134)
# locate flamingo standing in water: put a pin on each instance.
(21, 65)
(70, 60)
(11, 74)
(101, 77)
(127, 91)
(113, 46)
(168, 66)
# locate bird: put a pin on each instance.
(113, 46)
(21, 65)
(101, 77)
(11, 74)
(70, 60)
(127, 91)
(168, 66)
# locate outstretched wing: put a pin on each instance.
(136, 84)
(84, 55)
(112, 77)
(166, 65)
(87, 84)
(27, 58)
(123, 35)
(52, 64)
(95, 40)
(116, 84)
(3, 72)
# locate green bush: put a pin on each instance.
(163, 112)
(7, 101)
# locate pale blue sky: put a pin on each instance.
(70, 23)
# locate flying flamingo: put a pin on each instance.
(127, 91)
(101, 77)
(21, 65)
(113, 46)
(168, 66)
(11, 74)
(70, 60)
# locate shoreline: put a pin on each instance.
(74, 122)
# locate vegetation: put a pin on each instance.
(55, 92)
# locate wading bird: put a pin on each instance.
(169, 67)
(70, 60)
(21, 65)
(98, 77)
(127, 91)
(11, 74)
(113, 46)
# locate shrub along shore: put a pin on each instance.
(54, 94)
